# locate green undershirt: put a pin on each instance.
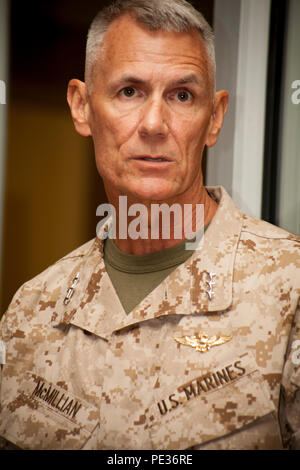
(135, 276)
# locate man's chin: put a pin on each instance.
(154, 193)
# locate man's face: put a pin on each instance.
(150, 112)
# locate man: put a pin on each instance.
(137, 343)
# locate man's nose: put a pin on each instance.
(153, 121)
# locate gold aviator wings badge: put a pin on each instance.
(202, 342)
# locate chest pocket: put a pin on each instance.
(229, 408)
(45, 416)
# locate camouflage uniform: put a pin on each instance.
(82, 374)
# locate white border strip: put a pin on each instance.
(4, 31)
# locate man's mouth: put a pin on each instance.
(153, 159)
(149, 159)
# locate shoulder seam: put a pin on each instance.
(74, 255)
(269, 237)
(266, 230)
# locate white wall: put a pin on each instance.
(242, 40)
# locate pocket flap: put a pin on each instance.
(43, 415)
(208, 407)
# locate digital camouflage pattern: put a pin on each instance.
(86, 375)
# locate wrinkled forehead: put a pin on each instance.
(128, 43)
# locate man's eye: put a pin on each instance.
(128, 92)
(183, 96)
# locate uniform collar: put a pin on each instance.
(95, 305)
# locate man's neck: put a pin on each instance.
(189, 218)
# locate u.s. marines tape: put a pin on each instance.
(225, 399)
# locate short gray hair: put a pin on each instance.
(156, 15)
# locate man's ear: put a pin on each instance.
(77, 99)
(217, 118)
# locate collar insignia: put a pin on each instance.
(210, 285)
(71, 289)
(202, 342)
